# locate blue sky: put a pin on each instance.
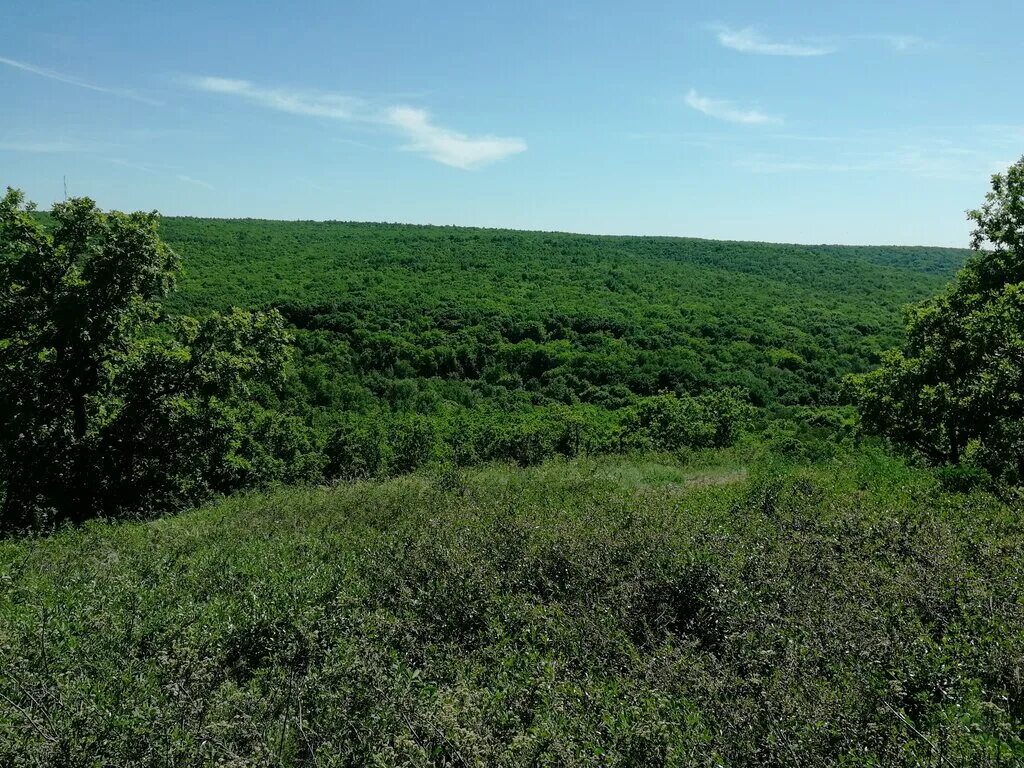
(866, 122)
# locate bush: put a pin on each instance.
(670, 423)
(605, 612)
(357, 449)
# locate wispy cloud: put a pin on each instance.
(144, 167)
(949, 152)
(749, 40)
(437, 142)
(195, 182)
(75, 81)
(158, 170)
(294, 102)
(723, 109)
(351, 142)
(773, 164)
(900, 43)
(43, 147)
(1011, 136)
(448, 146)
(927, 160)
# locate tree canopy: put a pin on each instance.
(955, 391)
(104, 409)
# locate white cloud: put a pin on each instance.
(444, 145)
(294, 102)
(448, 146)
(726, 110)
(749, 40)
(71, 80)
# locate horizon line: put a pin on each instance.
(632, 235)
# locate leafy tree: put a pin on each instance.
(104, 409)
(955, 392)
(668, 422)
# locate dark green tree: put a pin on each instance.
(955, 391)
(104, 407)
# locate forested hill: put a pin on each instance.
(564, 317)
(250, 261)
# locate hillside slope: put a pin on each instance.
(567, 317)
(615, 612)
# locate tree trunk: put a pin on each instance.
(79, 417)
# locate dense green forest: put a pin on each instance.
(249, 353)
(412, 315)
(416, 345)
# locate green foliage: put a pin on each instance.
(597, 612)
(762, 590)
(104, 412)
(413, 318)
(378, 444)
(418, 346)
(357, 449)
(955, 391)
(414, 346)
(668, 423)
